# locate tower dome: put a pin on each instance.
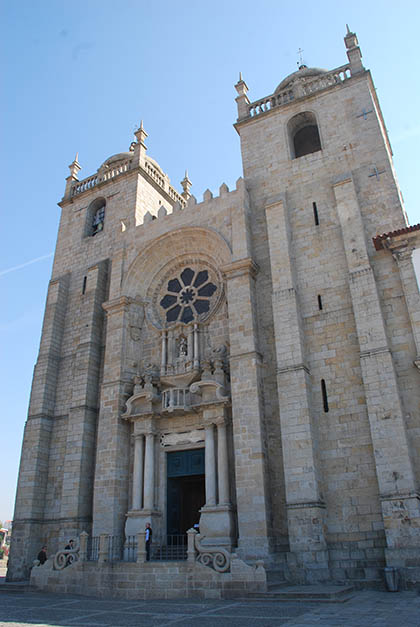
(302, 73)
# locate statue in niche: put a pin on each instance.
(183, 347)
(151, 373)
(136, 319)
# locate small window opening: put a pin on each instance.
(324, 396)
(319, 302)
(316, 217)
(84, 284)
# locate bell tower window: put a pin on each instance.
(98, 220)
(95, 218)
(303, 134)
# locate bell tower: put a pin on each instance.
(318, 167)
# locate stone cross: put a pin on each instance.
(376, 173)
(364, 114)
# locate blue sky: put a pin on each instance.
(79, 76)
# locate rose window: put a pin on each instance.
(188, 296)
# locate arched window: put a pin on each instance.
(303, 134)
(98, 220)
(95, 218)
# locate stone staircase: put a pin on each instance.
(13, 587)
(278, 589)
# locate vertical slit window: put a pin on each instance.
(319, 302)
(316, 217)
(324, 395)
(84, 284)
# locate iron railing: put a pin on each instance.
(130, 549)
(93, 549)
(115, 548)
(170, 548)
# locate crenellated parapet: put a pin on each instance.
(193, 205)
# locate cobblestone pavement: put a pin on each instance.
(365, 609)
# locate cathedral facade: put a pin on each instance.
(249, 363)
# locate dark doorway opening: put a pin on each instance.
(185, 490)
(186, 496)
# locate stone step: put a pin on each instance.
(273, 585)
(14, 587)
(274, 574)
(315, 593)
(368, 584)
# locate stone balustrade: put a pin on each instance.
(275, 100)
(105, 175)
(299, 90)
(116, 170)
(154, 174)
(176, 398)
(114, 549)
(121, 168)
(177, 197)
(82, 186)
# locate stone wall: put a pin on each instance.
(150, 580)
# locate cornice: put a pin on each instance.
(240, 267)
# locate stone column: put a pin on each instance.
(171, 351)
(217, 523)
(77, 486)
(191, 533)
(28, 517)
(394, 468)
(196, 347)
(138, 471)
(248, 414)
(149, 472)
(110, 502)
(222, 463)
(305, 507)
(141, 547)
(210, 465)
(163, 360)
(144, 480)
(403, 257)
(83, 546)
(190, 336)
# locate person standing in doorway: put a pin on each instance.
(148, 538)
